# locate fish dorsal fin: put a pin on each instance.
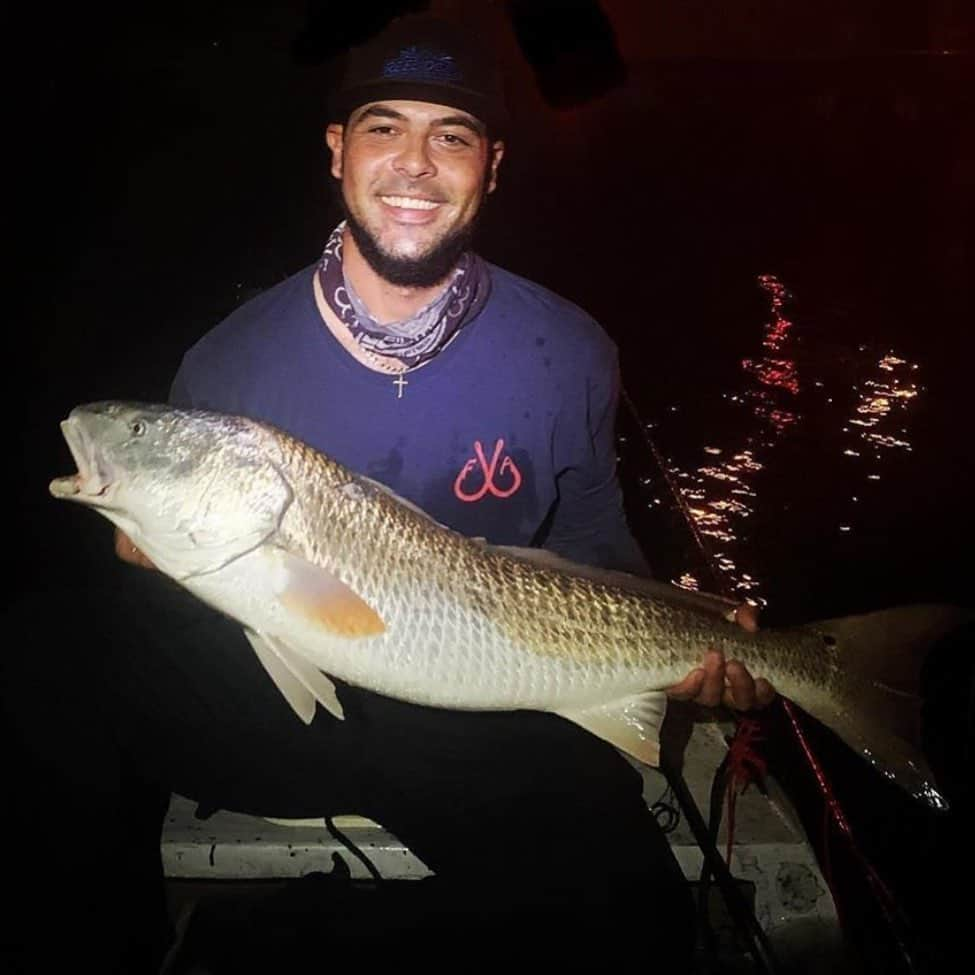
(632, 724)
(300, 682)
(544, 559)
(321, 597)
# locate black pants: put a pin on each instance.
(117, 695)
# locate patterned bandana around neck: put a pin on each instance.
(414, 340)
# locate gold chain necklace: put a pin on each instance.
(384, 363)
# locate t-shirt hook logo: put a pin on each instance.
(508, 474)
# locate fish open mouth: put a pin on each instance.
(93, 482)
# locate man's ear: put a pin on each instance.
(335, 137)
(497, 154)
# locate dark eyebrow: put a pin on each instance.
(467, 121)
(383, 111)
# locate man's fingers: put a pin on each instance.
(123, 545)
(716, 682)
(746, 616)
(712, 686)
(740, 697)
(764, 693)
(689, 687)
(127, 551)
(739, 687)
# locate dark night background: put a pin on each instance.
(169, 162)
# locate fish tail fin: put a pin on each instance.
(879, 658)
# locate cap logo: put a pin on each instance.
(422, 63)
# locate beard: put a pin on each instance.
(415, 272)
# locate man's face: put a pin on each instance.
(414, 176)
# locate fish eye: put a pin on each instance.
(138, 428)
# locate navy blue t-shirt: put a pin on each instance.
(507, 434)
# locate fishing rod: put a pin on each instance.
(757, 941)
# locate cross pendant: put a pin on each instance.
(399, 382)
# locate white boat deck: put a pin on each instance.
(791, 900)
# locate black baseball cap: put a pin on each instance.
(426, 59)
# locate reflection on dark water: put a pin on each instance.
(877, 426)
(783, 387)
(721, 491)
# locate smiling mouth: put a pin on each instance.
(410, 202)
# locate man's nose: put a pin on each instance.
(414, 158)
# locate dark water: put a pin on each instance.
(778, 245)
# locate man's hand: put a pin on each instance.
(127, 551)
(718, 681)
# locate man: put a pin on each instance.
(489, 402)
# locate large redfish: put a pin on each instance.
(331, 574)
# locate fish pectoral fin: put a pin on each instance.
(301, 682)
(322, 598)
(632, 724)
